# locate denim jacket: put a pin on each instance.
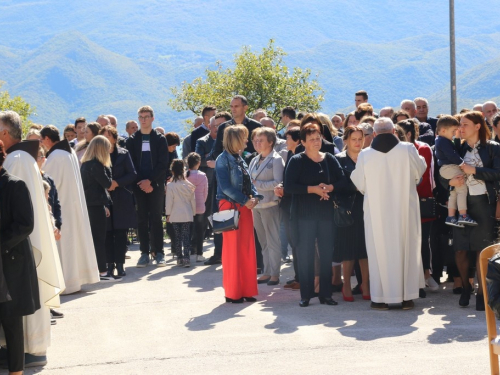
(230, 179)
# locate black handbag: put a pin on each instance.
(225, 221)
(428, 208)
(342, 216)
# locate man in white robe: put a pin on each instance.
(387, 174)
(76, 247)
(21, 162)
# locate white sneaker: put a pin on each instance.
(431, 284)
(200, 258)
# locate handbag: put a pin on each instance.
(428, 208)
(342, 217)
(225, 221)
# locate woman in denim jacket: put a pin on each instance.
(235, 190)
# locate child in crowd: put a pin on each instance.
(200, 181)
(450, 161)
(180, 208)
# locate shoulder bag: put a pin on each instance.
(428, 208)
(225, 221)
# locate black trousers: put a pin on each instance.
(285, 216)
(97, 218)
(116, 246)
(149, 211)
(312, 231)
(14, 338)
(425, 246)
(198, 233)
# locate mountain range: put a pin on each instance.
(70, 59)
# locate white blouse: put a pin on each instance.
(472, 158)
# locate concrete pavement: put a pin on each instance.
(174, 321)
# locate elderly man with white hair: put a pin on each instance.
(425, 130)
(490, 109)
(387, 173)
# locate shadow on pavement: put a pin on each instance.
(221, 313)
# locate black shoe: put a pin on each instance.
(304, 302)
(276, 282)
(480, 302)
(422, 293)
(458, 290)
(464, 298)
(408, 305)
(119, 270)
(379, 306)
(356, 290)
(56, 314)
(264, 281)
(327, 301)
(250, 299)
(237, 300)
(472, 289)
(212, 260)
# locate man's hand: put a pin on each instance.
(145, 186)
(57, 234)
(113, 186)
(211, 164)
(108, 214)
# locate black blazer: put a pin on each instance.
(96, 180)
(250, 124)
(123, 214)
(16, 224)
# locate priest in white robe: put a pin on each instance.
(387, 174)
(76, 248)
(21, 162)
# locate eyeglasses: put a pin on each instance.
(144, 117)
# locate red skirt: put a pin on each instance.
(239, 263)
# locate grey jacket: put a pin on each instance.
(266, 177)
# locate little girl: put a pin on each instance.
(180, 208)
(200, 181)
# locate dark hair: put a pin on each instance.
(192, 159)
(310, 117)
(208, 108)
(177, 168)
(411, 127)
(289, 112)
(2, 153)
(94, 127)
(364, 109)
(399, 113)
(362, 93)
(226, 115)
(346, 120)
(352, 129)
(79, 119)
(51, 132)
(111, 130)
(69, 128)
(477, 118)
(308, 129)
(464, 110)
(445, 122)
(496, 120)
(173, 139)
(294, 133)
(300, 115)
(244, 100)
(400, 133)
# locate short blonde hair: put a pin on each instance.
(234, 138)
(98, 148)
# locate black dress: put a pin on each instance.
(349, 242)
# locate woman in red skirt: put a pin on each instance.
(235, 190)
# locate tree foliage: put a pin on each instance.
(263, 79)
(17, 104)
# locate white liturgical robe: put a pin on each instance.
(50, 278)
(76, 248)
(388, 180)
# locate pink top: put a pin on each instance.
(200, 181)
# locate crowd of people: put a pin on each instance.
(394, 199)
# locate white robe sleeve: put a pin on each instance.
(358, 175)
(417, 164)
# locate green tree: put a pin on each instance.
(17, 104)
(263, 79)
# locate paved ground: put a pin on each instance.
(174, 321)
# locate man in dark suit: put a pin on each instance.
(202, 130)
(423, 113)
(239, 108)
